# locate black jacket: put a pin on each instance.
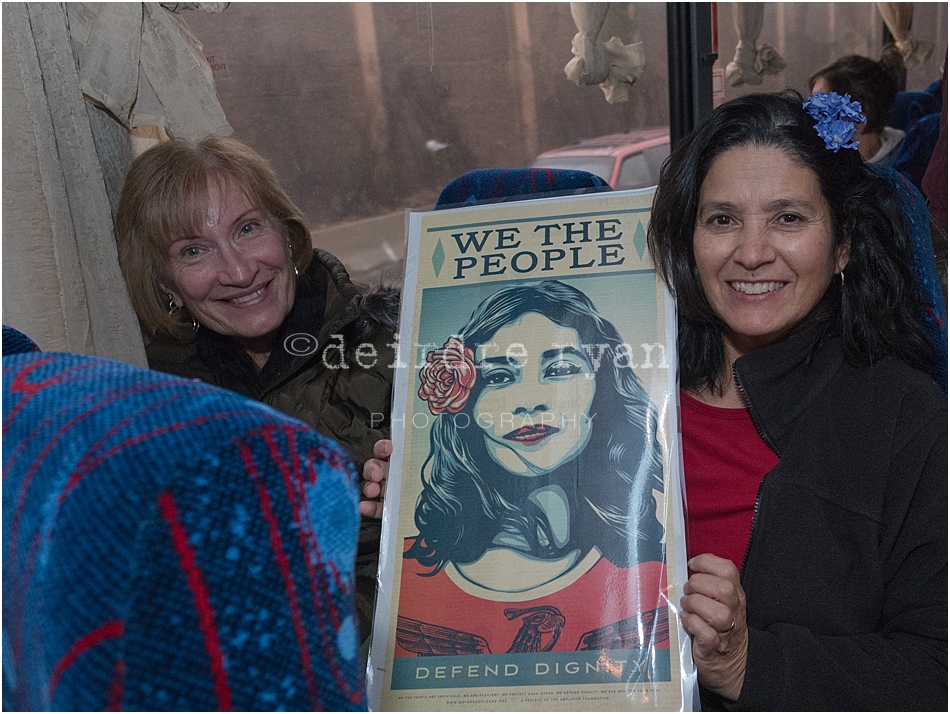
(846, 570)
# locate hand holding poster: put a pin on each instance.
(533, 551)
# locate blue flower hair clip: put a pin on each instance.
(834, 117)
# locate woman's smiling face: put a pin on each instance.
(234, 271)
(537, 389)
(764, 245)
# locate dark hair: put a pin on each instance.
(877, 311)
(873, 84)
(468, 499)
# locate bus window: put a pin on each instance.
(634, 172)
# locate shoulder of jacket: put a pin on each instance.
(364, 311)
(888, 397)
(920, 399)
(896, 377)
(326, 269)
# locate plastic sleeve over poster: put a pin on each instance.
(533, 551)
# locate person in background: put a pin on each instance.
(874, 86)
(815, 445)
(934, 184)
(221, 272)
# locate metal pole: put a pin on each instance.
(690, 61)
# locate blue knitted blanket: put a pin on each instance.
(168, 545)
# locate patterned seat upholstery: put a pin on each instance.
(168, 545)
(488, 185)
(15, 342)
(924, 264)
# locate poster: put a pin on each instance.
(533, 548)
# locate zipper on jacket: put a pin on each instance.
(758, 493)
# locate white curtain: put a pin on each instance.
(142, 63)
(899, 16)
(64, 158)
(751, 61)
(612, 65)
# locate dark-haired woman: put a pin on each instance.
(815, 445)
(874, 86)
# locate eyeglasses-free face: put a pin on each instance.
(234, 274)
(763, 244)
(534, 408)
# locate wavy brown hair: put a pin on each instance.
(166, 196)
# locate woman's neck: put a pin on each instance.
(260, 348)
(259, 359)
(731, 397)
(869, 144)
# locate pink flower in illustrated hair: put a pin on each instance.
(448, 377)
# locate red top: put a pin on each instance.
(606, 608)
(724, 459)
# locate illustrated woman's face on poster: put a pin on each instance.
(534, 408)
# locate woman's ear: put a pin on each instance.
(173, 297)
(842, 256)
(285, 232)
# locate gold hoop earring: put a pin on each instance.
(174, 309)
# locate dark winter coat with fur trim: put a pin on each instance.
(332, 369)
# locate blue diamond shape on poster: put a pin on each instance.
(438, 257)
(640, 239)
